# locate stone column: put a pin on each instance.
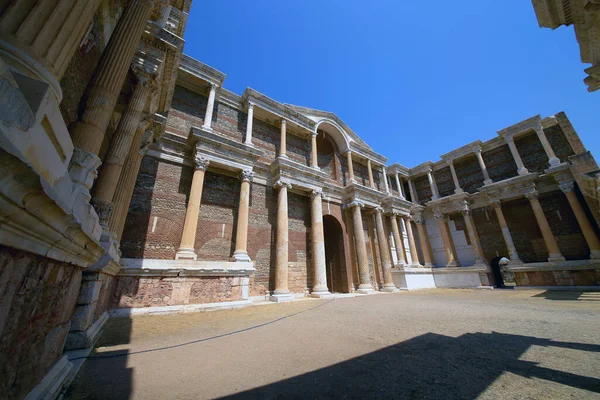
(210, 107)
(400, 188)
(281, 242)
(126, 184)
(106, 184)
(510, 245)
(457, 188)
(516, 156)
(370, 170)
(414, 254)
(241, 234)
(350, 167)
(586, 227)
(474, 238)
(105, 85)
(424, 239)
(350, 230)
(486, 176)
(361, 249)
(447, 239)
(283, 145)
(385, 182)
(413, 191)
(248, 140)
(314, 160)
(434, 190)
(384, 251)
(373, 244)
(188, 237)
(398, 240)
(318, 245)
(552, 159)
(553, 250)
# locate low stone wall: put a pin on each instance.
(567, 273)
(159, 283)
(428, 278)
(37, 298)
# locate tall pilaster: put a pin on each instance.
(248, 140)
(283, 144)
(361, 249)
(188, 237)
(313, 143)
(584, 223)
(398, 240)
(350, 167)
(384, 251)
(449, 248)
(521, 170)
(433, 185)
(210, 107)
(120, 144)
(318, 245)
(424, 240)
(553, 250)
(414, 254)
(457, 188)
(370, 171)
(281, 242)
(241, 235)
(484, 171)
(510, 245)
(552, 159)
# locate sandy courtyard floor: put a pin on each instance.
(442, 344)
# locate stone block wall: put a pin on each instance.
(361, 173)
(37, 298)
(299, 242)
(587, 277)
(261, 236)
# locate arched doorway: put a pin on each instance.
(334, 254)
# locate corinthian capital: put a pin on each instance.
(316, 193)
(567, 187)
(532, 195)
(280, 184)
(356, 203)
(246, 175)
(201, 162)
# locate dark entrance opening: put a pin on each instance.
(495, 264)
(334, 254)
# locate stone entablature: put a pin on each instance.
(201, 70)
(224, 151)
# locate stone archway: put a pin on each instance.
(335, 261)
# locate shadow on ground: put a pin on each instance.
(569, 295)
(429, 366)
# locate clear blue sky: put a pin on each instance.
(414, 79)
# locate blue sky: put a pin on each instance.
(414, 79)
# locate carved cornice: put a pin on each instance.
(531, 124)
(223, 150)
(201, 70)
(355, 203)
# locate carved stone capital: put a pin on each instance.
(496, 203)
(201, 162)
(567, 187)
(438, 214)
(533, 195)
(316, 193)
(280, 184)
(246, 175)
(356, 203)
(103, 209)
(378, 210)
(417, 218)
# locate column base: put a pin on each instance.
(595, 254)
(282, 298)
(415, 264)
(523, 171)
(453, 264)
(207, 128)
(554, 162)
(186, 254)
(365, 291)
(488, 182)
(241, 256)
(458, 191)
(428, 265)
(390, 289)
(321, 295)
(556, 257)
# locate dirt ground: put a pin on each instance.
(440, 344)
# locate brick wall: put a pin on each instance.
(532, 152)
(106, 294)
(423, 189)
(187, 109)
(297, 148)
(525, 231)
(490, 235)
(38, 296)
(500, 163)
(361, 173)
(299, 242)
(470, 177)
(558, 278)
(444, 182)
(229, 121)
(559, 142)
(261, 236)
(326, 156)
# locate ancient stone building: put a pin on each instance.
(133, 182)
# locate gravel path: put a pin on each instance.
(439, 344)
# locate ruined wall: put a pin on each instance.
(37, 298)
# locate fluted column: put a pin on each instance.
(384, 252)
(414, 254)
(586, 227)
(248, 140)
(105, 85)
(424, 239)
(484, 171)
(351, 242)
(188, 237)
(510, 245)
(241, 234)
(45, 34)
(210, 107)
(361, 249)
(398, 240)
(434, 189)
(552, 159)
(318, 245)
(283, 145)
(126, 184)
(449, 248)
(350, 167)
(474, 238)
(457, 188)
(106, 184)
(313, 143)
(553, 250)
(521, 170)
(370, 171)
(281, 241)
